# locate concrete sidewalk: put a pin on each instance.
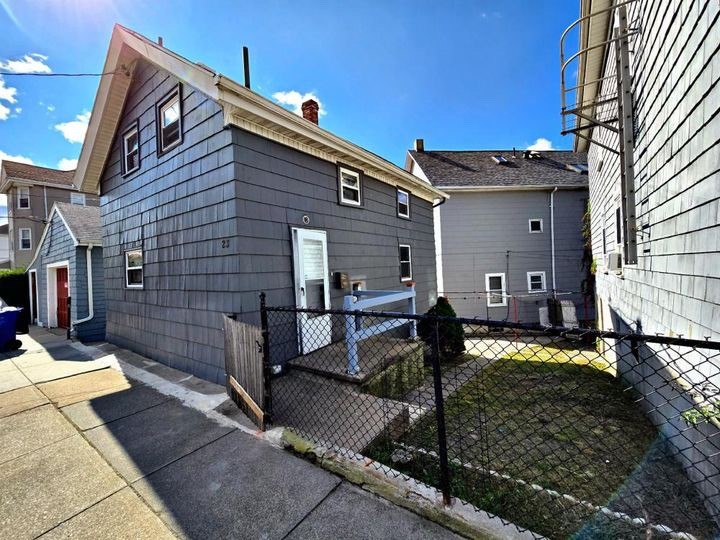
(99, 442)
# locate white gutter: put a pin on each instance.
(552, 238)
(91, 307)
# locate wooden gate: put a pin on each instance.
(247, 379)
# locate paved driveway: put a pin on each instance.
(96, 442)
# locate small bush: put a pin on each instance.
(450, 335)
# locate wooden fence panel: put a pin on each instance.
(244, 368)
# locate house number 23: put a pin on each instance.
(225, 243)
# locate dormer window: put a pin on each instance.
(403, 203)
(349, 186)
(169, 121)
(131, 150)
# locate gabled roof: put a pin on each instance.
(241, 107)
(13, 171)
(81, 222)
(480, 169)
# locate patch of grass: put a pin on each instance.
(551, 417)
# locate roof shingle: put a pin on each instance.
(477, 168)
(23, 171)
(83, 222)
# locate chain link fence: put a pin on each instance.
(565, 432)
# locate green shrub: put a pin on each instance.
(450, 337)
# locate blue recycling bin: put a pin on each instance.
(8, 326)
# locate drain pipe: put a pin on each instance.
(91, 307)
(552, 238)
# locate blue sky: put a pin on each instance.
(462, 75)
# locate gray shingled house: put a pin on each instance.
(211, 194)
(67, 268)
(510, 235)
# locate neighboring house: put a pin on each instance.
(651, 128)
(510, 235)
(4, 246)
(67, 268)
(31, 192)
(212, 193)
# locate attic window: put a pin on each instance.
(499, 160)
(169, 121)
(131, 150)
(403, 203)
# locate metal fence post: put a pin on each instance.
(267, 371)
(440, 417)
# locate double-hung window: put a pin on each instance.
(536, 282)
(405, 262)
(131, 150)
(495, 289)
(25, 239)
(349, 186)
(169, 121)
(403, 203)
(134, 269)
(23, 196)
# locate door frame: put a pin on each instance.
(298, 235)
(34, 315)
(52, 321)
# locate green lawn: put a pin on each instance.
(551, 417)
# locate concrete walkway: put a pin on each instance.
(97, 442)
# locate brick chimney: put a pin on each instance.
(310, 110)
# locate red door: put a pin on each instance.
(62, 298)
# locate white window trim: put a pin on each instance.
(127, 269)
(503, 290)
(542, 227)
(168, 103)
(20, 236)
(356, 174)
(397, 203)
(132, 131)
(409, 261)
(19, 198)
(544, 284)
(84, 200)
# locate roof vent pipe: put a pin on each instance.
(160, 41)
(246, 67)
(419, 145)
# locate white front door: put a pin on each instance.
(312, 288)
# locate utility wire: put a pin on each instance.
(13, 74)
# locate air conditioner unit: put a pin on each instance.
(614, 262)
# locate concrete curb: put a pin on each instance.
(401, 490)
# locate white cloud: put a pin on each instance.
(67, 164)
(295, 99)
(30, 63)
(541, 144)
(4, 112)
(7, 93)
(18, 158)
(51, 108)
(74, 130)
(18, 110)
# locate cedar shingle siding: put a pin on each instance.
(227, 184)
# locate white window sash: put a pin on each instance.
(127, 151)
(407, 204)
(357, 188)
(20, 192)
(491, 292)
(530, 275)
(128, 268)
(530, 222)
(29, 239)
(407, 261)
(168, 105)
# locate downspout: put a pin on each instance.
(45, 199)
(552, 238)
(91, 307)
